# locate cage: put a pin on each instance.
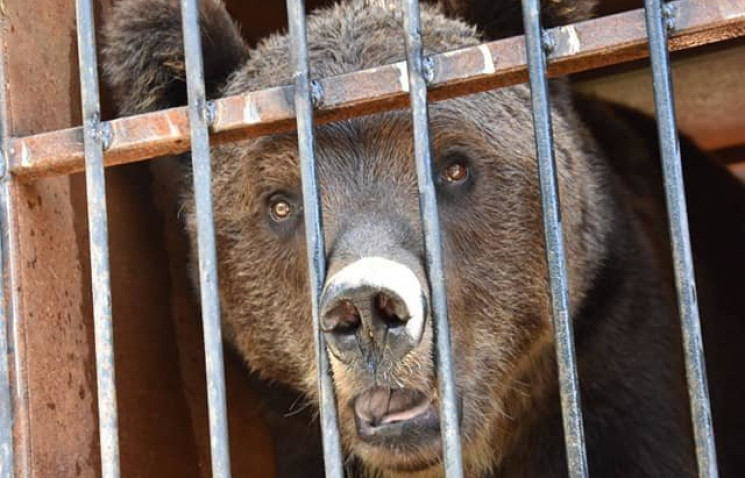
(49, 417)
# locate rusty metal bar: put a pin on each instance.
(571, 410)
(660, 18)
(417, 82)
(583, 46)
(332, 454)
(98, 230)
(199, 119)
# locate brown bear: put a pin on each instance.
(374, 309)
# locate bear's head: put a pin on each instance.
(375, 309)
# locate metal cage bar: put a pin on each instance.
(7, 451)
(333, 460)
(93, 136)
(658, 18)
(557, 269)
(416, 64)
(6, 411)
(199, 118)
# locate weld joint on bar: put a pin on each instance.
(670, 13)
(209, 113)
(92, 124)
(316, 93)
(548, 41)
(4, 163)
(106, 133)
(428, 70)
(100, 131)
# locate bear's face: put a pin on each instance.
(492, 243)
(489, 207)
(490, 219)
(375, 308)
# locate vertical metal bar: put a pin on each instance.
(99, 240)
(685, 281)
(6, 410)
(415, 61)
(7, 462)
(568, 383)
(313, 233)
(199, 118)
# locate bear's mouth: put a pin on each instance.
(399, 418)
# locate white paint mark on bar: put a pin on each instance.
(172, 128)
(403, 76)
(25, 155)
(489, 66)
(732, 13)
(251, 113)
(571, 39)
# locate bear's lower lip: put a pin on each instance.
(402, 419)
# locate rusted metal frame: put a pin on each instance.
(15, 454)
(199, 119)
(571, 410)
(332, 453)
(418, 72)
(93, 139)
(7, 461)
(582, 46)
(661, 18)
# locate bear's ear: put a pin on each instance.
(143, 53)
(503, 18)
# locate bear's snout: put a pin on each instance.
(373, 309)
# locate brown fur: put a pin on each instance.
(503, 18)
(628, 343)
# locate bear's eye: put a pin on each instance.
(455, 169)
(456, 176)
(456, 173)
(280, 209)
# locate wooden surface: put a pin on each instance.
(709, 94)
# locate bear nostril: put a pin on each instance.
(344, 318)
(391, 311)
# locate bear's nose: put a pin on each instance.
(372, 308)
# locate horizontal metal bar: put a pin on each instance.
(571, 410)
(659, 18)
(449, 422)
(98, 230)
(207, 250)
(583, 46)
(316, 249)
